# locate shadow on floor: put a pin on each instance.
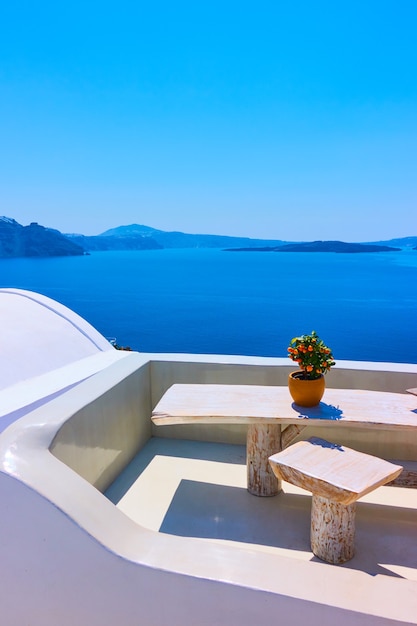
(386, 538)
(181, 448)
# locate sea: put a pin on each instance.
(210, 301)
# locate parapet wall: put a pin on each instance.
(111, 419)
(113, 422)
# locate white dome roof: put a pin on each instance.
(40, 335)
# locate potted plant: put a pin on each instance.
(314, 359)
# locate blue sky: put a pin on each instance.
(284, 120)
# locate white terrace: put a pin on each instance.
(107, 519)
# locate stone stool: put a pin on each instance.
(337, 476)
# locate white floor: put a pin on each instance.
(198, 489)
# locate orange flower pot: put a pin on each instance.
(305, 392)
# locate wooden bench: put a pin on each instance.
(337, 476)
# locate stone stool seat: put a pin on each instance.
(336, 476)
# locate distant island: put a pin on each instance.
(177, 239)
(138, 236)
(35, 240)
(321, 246)
(104, 243)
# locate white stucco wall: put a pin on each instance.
(55, 573)
(74, 411)
(75, 558)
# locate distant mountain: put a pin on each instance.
(402, 242)
(105, 243)
(184, 240)
(178, 239)
(322, 246)
(131, 231)
(33, 241)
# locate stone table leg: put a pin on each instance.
(332, 530)
(262, 441)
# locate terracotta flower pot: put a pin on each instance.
(305, 392)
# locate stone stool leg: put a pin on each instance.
(262, 441)
(332, 530)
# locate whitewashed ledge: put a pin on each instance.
(71, 556)
(27, 395)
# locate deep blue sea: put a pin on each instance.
(364, 306)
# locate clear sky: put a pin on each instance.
(285, 120)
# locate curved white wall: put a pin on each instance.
(56, 574)
(70, 556)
